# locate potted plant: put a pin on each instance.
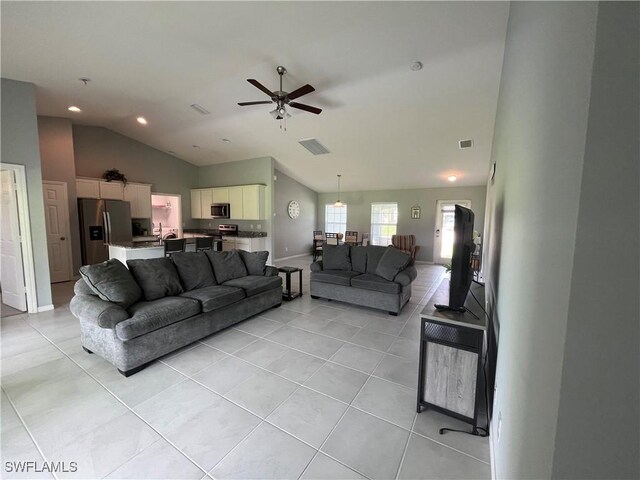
(114, 175)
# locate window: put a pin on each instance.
(335, 218)
(384, 218)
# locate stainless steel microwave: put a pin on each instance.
(221, 210)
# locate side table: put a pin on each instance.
(287, 294)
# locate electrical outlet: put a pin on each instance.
(259, 226)
(286, 249)
(252, 226)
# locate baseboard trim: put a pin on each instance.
(292, 256)
(423, 262)
(45, 308)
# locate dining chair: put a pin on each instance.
(331, 238)
(318, 240)
(174, 245)
(365, 239)
(204, 243)
(351, 237)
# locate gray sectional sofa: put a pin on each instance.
(133, 316)
(372, 276)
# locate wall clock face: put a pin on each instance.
(294, 209)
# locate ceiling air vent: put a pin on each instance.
(314, 146)
(200, 109)
(465, 143)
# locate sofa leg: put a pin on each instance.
(314, 297)
(393, 313)
(128, 373)
(87, 350)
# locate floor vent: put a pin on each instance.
(314, 146)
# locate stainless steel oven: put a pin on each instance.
(221, 210)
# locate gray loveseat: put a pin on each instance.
(372, 276)
(133, 316)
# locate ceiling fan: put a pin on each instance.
(282, 98)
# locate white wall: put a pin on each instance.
(20, 146)
(535, 267)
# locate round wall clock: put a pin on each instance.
(293, 209)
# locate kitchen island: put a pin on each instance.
(134, 251)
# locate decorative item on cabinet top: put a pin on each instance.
(114, 174)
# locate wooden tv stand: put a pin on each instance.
(450, 376)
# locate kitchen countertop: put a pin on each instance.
(241, 233)
(156, 244)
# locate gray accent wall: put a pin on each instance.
(98, 149)
(20, 147)
(562, 259)
(243, 172)
(56, 152)
(359, 210)
(293, 236)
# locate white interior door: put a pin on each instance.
(443, 235)
(11, 271)
(56, 214)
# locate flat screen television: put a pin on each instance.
(461, 272)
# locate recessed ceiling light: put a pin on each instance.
(197, 147)
(73, 108)
(142, 120)
(226, 140)
(452, 178)
(415, 66)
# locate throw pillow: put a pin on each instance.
(112, 282)
(227, 265)
(158, 277)
(194, 270)
(256, 262)
(336, 257)
(391, 263)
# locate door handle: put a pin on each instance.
(438, 232)
(62, 238)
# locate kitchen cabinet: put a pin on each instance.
(196, 206)
(235, 203)
(252, 244)
(221, 195)
(253, 202)
(206, 199)
(111, 190)
(139, 196)
(87, 188)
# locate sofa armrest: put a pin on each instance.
(316, 266)
(406, 276)
(414, 251)
(271, 271)
(90, 308)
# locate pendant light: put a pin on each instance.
(338, 203)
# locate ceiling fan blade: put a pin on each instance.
(257, 84)
(307, 108)
(261, 102)
(301, 91)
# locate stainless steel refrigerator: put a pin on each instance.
(102, 222)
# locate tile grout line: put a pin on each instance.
(406, 446)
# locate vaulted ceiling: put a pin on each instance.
(386, 125)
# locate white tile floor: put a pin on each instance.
(314, 389)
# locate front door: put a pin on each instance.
(56, 215)
(443, 235)
(12, 272)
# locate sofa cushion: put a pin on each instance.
(227, 265)
(112, 282)
(359, 258)
(374, 254)
(391, 263)
(255, 262)
(194, 270)
(216, 296)
(337, 277)
(149, 316)
(158, 277)
(369, 281)
(336, 257)
(255, 284)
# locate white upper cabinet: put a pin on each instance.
(206, 199)
(253, 202)
(87, 188)
(235, 203)
(111, 190)
(139, 196)
(221, 195)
